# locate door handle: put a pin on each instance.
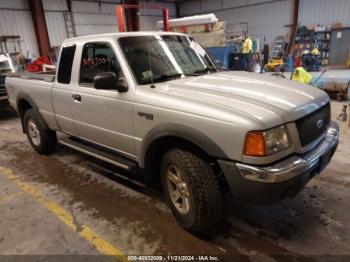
(77, 98)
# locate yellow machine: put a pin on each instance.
(277, 63)
(273, 63)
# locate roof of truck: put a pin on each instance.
(138, 33)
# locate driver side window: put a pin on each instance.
(97, 58)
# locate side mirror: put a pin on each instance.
(110, 81)
(122, 85)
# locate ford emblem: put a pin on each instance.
(320, 123)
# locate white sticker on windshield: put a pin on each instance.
(147, 74)
(196, 47)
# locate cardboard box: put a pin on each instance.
(336, 26)
(210, 39)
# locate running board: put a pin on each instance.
(97, 152)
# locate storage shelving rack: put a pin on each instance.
(307, 40)
(322, 43)
(304, 41)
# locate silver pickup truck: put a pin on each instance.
(157, 101)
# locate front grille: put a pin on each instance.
(310, 128)
(2, 86)
(3, 91)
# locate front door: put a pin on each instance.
(102, 116)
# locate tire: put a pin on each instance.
(42, 139)
(204, 196)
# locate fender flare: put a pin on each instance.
(26, 97)
(31, 102)
(187, 133)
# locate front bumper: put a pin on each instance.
(268, 184)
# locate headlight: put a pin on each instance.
(263, 143)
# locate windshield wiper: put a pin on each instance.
(162, 77)
(203, 70)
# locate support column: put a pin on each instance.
(39, 22)
(165, 19)
(294, 24)
(177, 9)
(132, 17)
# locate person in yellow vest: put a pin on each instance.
(247, 51)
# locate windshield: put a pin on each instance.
(159, 58)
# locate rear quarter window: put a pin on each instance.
(66, 64)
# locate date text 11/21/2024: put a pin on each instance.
(173, 258)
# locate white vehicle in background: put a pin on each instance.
(8, 64)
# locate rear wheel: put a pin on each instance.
(42, 139)
(191, 190)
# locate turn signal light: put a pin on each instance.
(254, 144)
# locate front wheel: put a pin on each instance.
(42, 139)
(191, 190)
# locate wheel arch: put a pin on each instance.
(25, 102)
(163, 138)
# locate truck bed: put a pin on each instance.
(37, 86)
(42, 76)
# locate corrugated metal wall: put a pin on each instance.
(266, 19)
(89, 18)
(56, 27)
(324, 12)
(94, 18)
(15, 19)
(54, 17)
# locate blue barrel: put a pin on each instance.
(221, 54)
(288, 64)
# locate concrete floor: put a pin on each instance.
(315, 225)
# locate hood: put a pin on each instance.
(268, 99)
